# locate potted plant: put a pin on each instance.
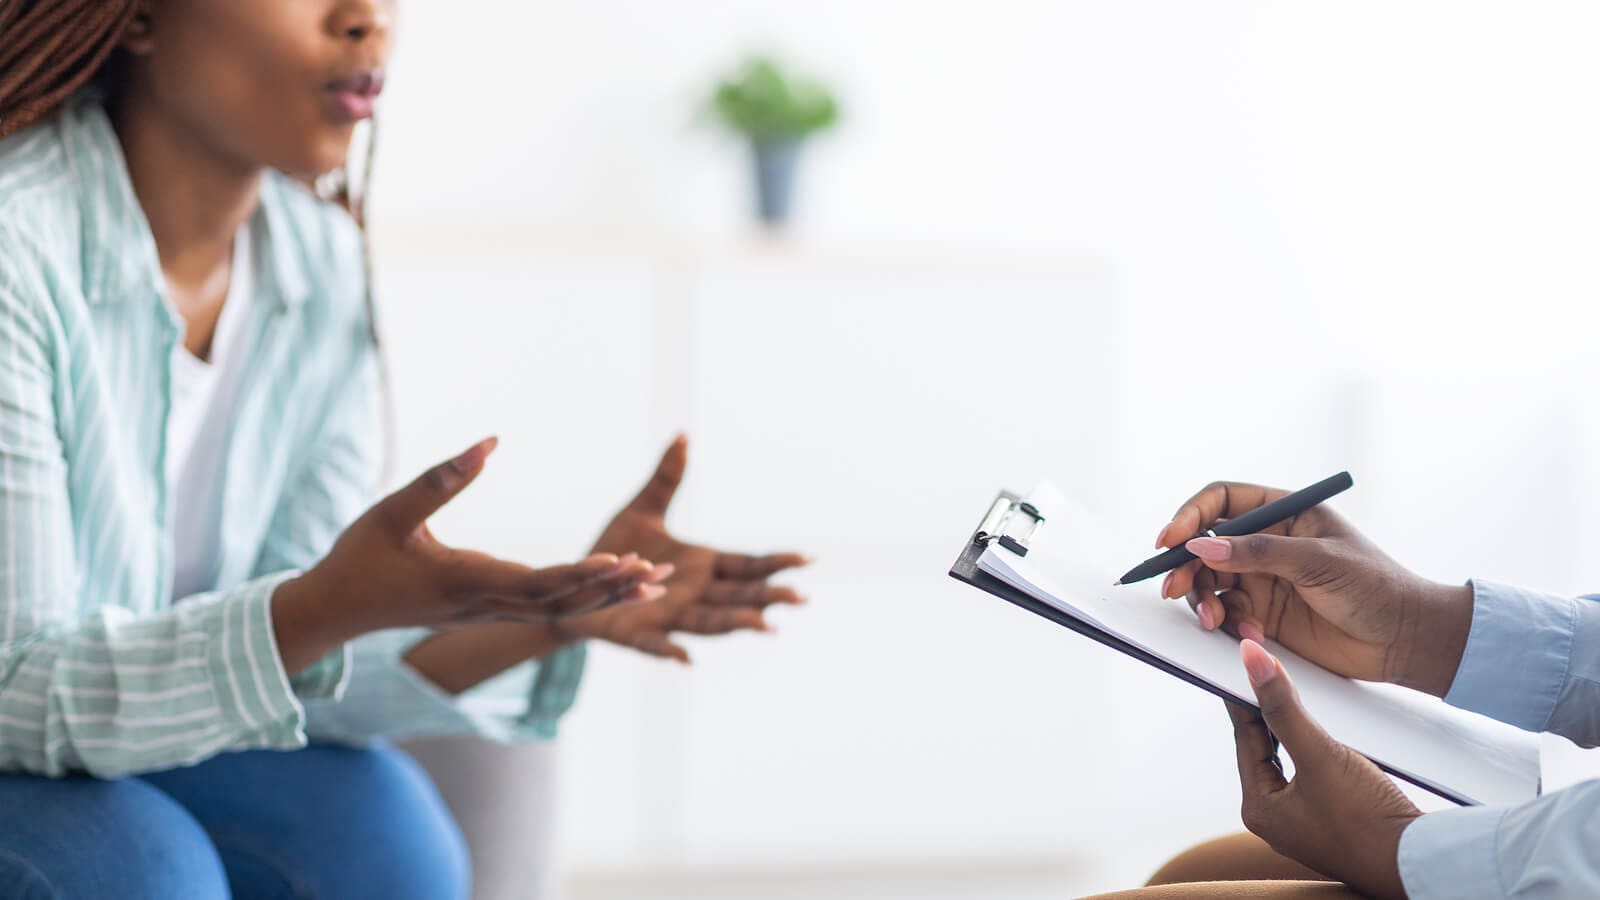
(775, 111)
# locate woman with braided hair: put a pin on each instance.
(206, 635)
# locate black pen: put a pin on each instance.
(1258, 519)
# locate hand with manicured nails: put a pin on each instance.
(388, 571)
(1316, 585)
(712, 593)
(1340, 814)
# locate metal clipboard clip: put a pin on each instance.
(1012, 522)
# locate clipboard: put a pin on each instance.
(965, 569)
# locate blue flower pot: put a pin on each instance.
(775, 167)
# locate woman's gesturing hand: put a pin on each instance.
(713, 593)
(387, 571)
(1340, 815)
(1316, 585)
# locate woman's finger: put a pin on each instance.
(1202, 599)
(740, 566)
(640, 583)
(403, 511)
(1281, 709)
(1218, 500)
(1260, 772)
(1239, 617)
(518, 609)
(656, 643)
(657, 493)
(1181, 580)
(544, 586)
(712, 620)
(756, 594)
(473, 572)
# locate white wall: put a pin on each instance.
(1260, 240)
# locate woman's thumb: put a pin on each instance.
(1286, 557)
(1280, 702)
(406, 509)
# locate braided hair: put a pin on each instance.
(51, 49)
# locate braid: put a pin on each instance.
(51, 48)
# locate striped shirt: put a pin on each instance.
(100, 671)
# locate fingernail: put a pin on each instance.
(1166, 585)
(662, 572)
(1161, 534)
(468, 462)
(1207, 621)
(1210, 549)
(1258, 663)
(1250, 631)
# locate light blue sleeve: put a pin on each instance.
(1532, 660)
(1544, 848)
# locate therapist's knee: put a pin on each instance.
(81, 837)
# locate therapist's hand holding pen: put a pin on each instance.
(1316, 585)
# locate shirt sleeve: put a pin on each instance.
(1543, 848)
(380, 695)
(1532, 660)
(114, 692)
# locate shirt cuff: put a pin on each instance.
(253, 693)
(1517, 655)
(555, 690)
(388, 699)
(1443, 852)
(325, 679)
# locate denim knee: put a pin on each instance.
(81, 837)
(411, 834)
(326, 822)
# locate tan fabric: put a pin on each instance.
(1245, 890)
(1237, 857)
(1240, 865)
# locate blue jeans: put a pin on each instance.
(323, 822)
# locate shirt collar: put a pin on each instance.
(119, 252)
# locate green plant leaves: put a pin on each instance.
(769, 105)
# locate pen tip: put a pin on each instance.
(1116, 584)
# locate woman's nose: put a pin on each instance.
(361, 20)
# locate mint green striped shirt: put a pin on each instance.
(100, 671)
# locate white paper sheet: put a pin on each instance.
(1433, 744)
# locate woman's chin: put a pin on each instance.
(323, 157)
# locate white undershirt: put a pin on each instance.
(198, 425)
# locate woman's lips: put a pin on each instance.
(353, 97)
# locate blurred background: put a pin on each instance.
(1128, 245)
